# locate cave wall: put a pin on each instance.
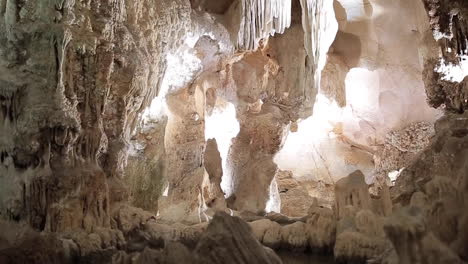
(77, 79)
(268, 89)
(448, 22)
(75, 76)
(274, 87)
(433, 186)
(371, 87)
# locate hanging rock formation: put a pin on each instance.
(259, 19)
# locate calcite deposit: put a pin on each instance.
(233, 131)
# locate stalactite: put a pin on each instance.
(8, 102)
(261, 18)
(11, 12)
(312, 22)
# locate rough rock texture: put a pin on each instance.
(360, 220)
(448, 21)
(321, 228)
(268, 90)
(75, 76)
(430, 228)
(268, 232)
(251, 153)
(450, 95)
(225, 240)
(333, 79)
(272, 90)
(145, 172)
(360, 237)
(107, 71)
(438, 176)
(217, 7)
(352, 191)
(295, 198)
(230, 240)
(413, 242)
(109, 104)
(371, 85)
(351, 231)
(188, 93)
(316, 231)
(34, 249)
(259, 19)
(445, 157)
(213, 166)
(401, 147)
(296, 202)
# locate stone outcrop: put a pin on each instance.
(413, 242)
(315, 232)
(213, 166)
(271, 91)
(268, 90)
(400, 148)
(145, 171)
(74, 78)
(448, 23)
(225, 240)
(359, 237)
(435, 185)
(321, 228)
(297, 197)
(371, 85)
(352, 191)
(230, 240)
(360, 220)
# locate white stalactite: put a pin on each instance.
(320, 27)
(261, 18)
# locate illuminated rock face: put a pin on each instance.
(107, 73)
(383, 87)
(371, 85)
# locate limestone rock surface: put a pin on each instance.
(230, 240)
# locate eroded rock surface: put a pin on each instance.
(75, 78)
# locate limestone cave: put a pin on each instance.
(234, 131)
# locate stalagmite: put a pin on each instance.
(352, 191)
(213, 166)
(321, 228)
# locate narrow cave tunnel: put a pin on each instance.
(234, 131)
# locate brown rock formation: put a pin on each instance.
(272, 91)
(230, 240)
(213, 166)
(352, 191)
(75, 78)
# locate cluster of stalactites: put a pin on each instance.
(261, 18)
(312, 23)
